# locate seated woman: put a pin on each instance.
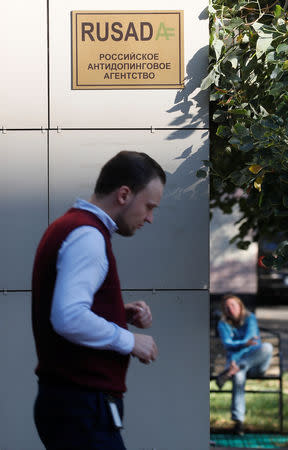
(246, 354)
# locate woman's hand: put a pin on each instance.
(233, 368)
(252, 341)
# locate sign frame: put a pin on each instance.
(176, 80)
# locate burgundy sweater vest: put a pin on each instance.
(58, 359)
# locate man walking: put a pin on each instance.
(79, 319)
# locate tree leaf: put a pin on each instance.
(270, 57)
(219, 116)
(277, 11)
(217, 183)
(257, 131)
(233, 60)
(263, 111)
(210, 79)
(269, 123)
(245, 39)
(223, 131)
(240, 129)
(255, 168)
(247, 145)
(243, 245)
(217, 44)
(282, 48)
(239, 111)
(276, 72)
(276, 89)
(234, 141)
(263, 43)
(257, 26)
(201, 173)
(207, 163)
(233, 23)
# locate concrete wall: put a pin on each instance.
(52, 145)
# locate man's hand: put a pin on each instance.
(138, 314)
(145, 348)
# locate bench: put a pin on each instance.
(274, 372)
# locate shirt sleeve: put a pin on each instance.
(82, 266)
(251, 330)
(225, 334)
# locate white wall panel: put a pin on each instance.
(128, 108)
(167, 403)
(173, 252)
(24, 204)
(23, 75)
(18, 382)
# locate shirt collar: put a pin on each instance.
(102, 215)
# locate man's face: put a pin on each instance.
(139, 208)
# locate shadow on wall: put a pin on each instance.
(191, 95)
(183, 184)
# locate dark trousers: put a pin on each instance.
(70, 418)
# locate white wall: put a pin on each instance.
(48, 157)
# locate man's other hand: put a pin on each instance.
(138, 314)
(145, 348)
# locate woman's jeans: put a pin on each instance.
(254, 363)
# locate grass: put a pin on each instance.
(262, 410)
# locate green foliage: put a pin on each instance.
(248, 80)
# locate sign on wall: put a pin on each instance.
(127, 50)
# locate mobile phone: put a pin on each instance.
(114, 413)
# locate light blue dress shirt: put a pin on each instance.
(82, 266)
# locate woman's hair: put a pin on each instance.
(129, 168)
(243, 314)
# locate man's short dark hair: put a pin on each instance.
(128, 168)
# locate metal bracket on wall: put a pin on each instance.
(4, 131)
(152, 130)
(58, 130)
(5, 291)
(43, 130)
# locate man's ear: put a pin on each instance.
(124, 194)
